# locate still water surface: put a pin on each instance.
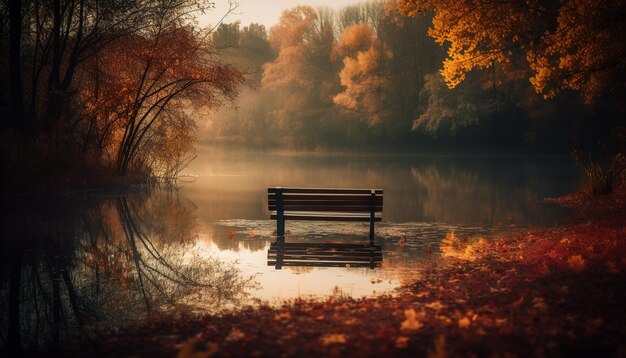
(106, 259)
(425, 199)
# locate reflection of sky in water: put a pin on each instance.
(425, 198)
(249, 245)
(302, 282)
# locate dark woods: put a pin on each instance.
(104, 88)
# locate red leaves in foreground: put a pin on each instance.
(558, 291)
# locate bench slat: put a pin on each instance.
(312, 203)
(318, 217)
(325, 201)
(343, 209)
(337, 197)
(325, 190)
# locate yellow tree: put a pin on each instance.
(577, 45)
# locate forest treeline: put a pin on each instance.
(96, 89)
(369, 76)
(101, 89)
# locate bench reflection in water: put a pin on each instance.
(324, 255)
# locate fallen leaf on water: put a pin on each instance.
(411, 323)
(464, 322)
(231, 234)
(251, 234)
(333, 339)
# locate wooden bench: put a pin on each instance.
(324, 204)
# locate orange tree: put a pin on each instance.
(577, 45)
(141, 93)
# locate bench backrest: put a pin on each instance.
(326, 204)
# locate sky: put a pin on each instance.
(265, 12)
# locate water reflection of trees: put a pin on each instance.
(499, 193)
(452, 190)
(71, 264)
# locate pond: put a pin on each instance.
(103, 260)
(426, 198)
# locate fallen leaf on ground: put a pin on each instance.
(333, 339)
(235, 335)
(576, 263)
(464, 322)
(282, 316)
(411, 323)
(402, 342)
(436, 305)
(194, 348)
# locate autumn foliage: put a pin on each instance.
(106, 88)
(576, 45)
(141, 92)
(361, 75)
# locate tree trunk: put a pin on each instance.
(15, 76)
(54, 97)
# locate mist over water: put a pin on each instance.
(466, 190)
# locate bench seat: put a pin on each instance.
(327, 216)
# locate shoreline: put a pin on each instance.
(544, 291)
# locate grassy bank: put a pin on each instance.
(558, 291)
